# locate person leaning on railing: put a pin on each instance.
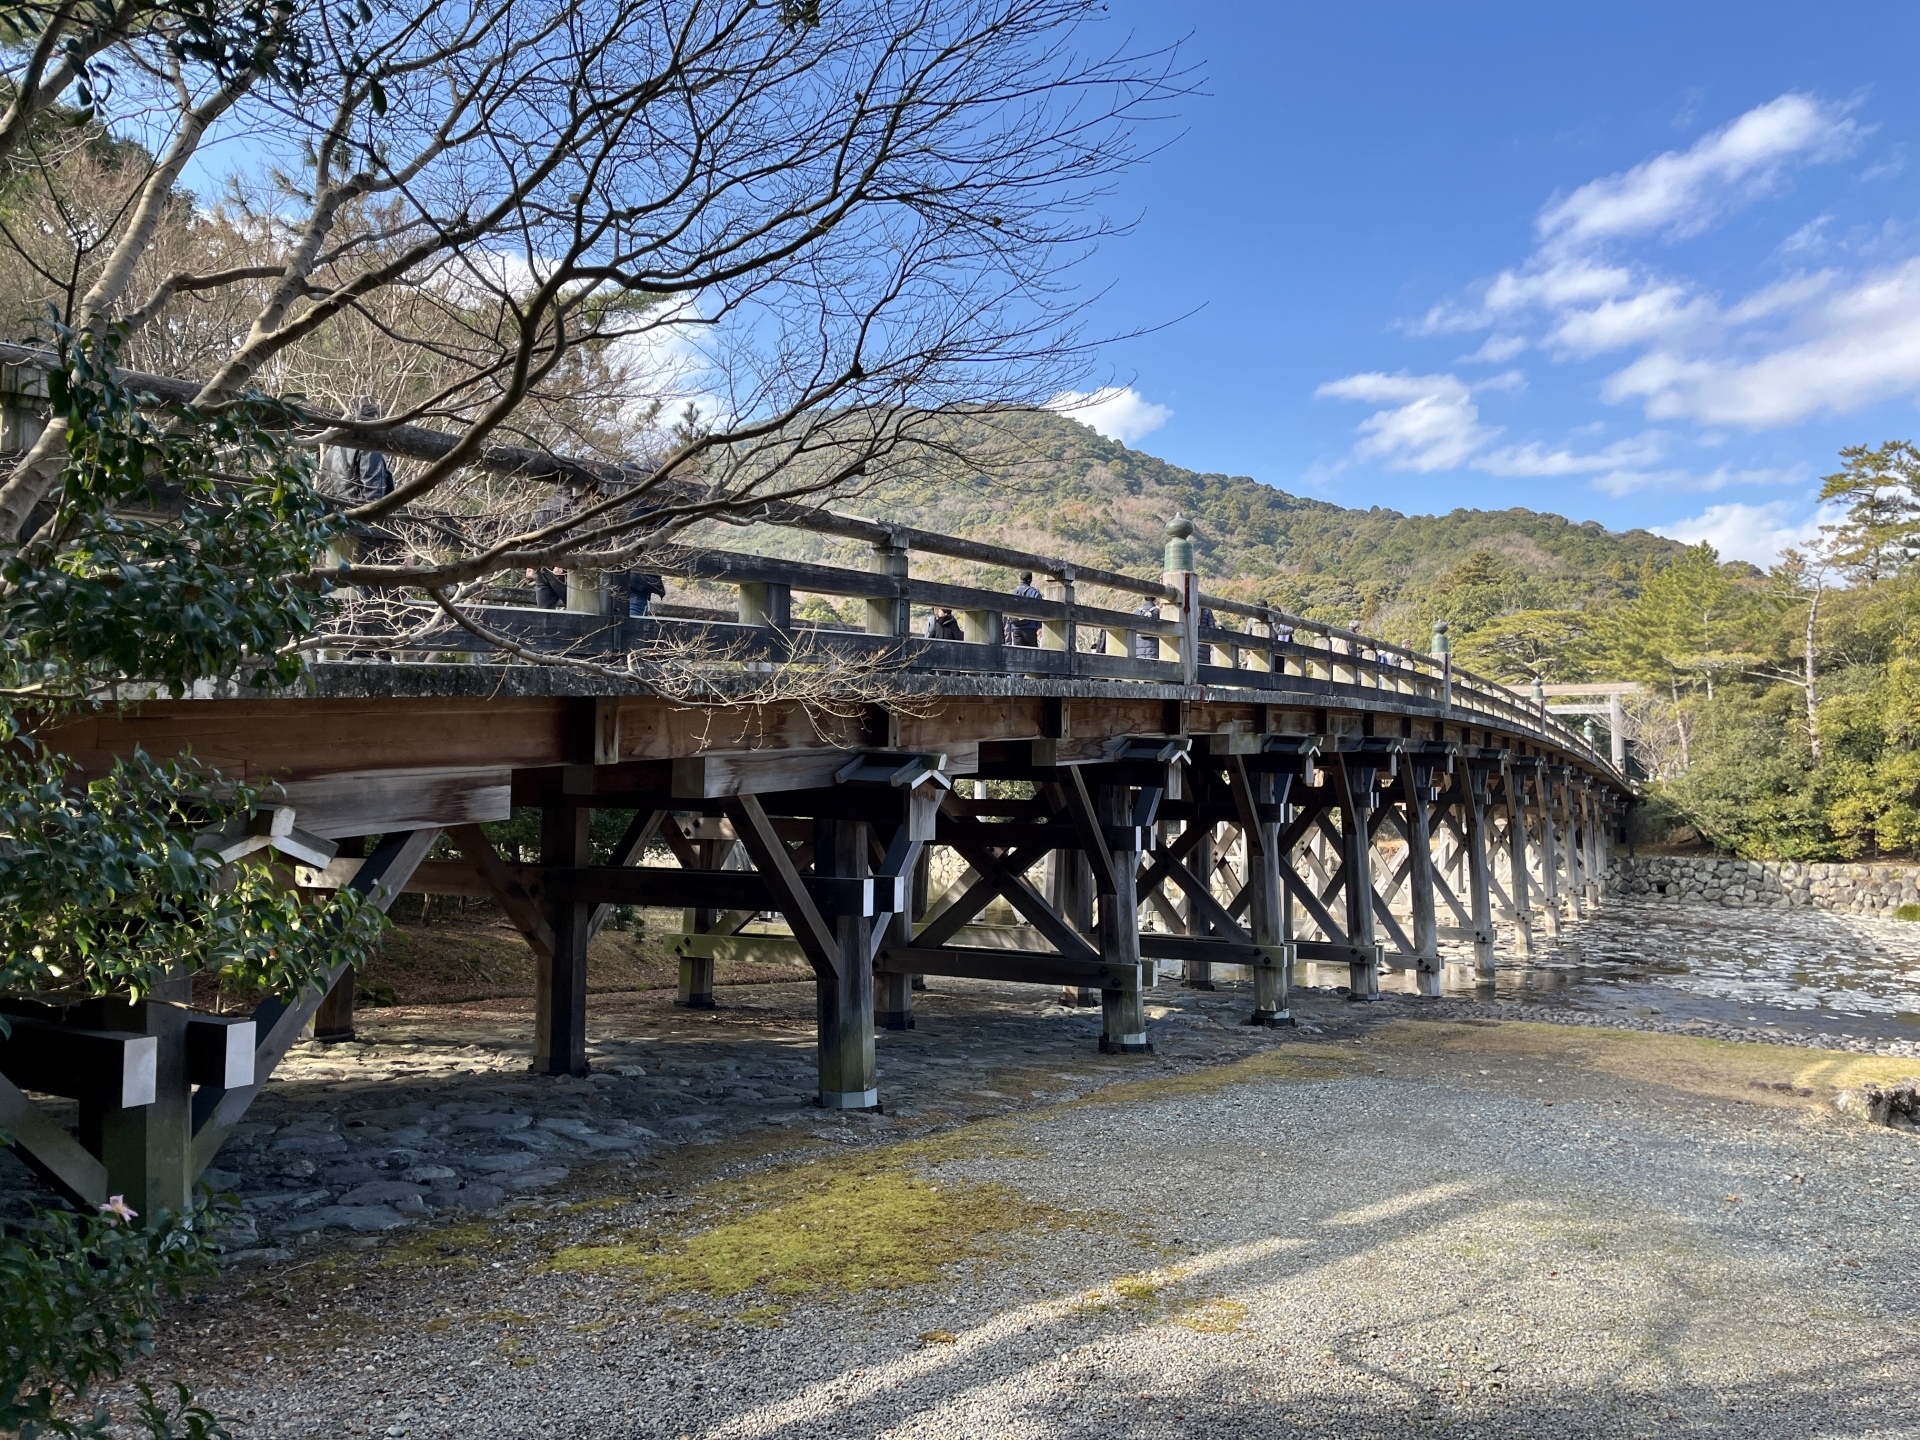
(356, 477)
(1147, 647)
(1022, 630)
(550, 586)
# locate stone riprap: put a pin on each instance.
(1852, 889)
(1896, 1106)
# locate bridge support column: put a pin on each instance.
(148, 1149)
(1596, 846)
(1269, 916)
(1069, 884)
(1198, 974)
(1549, 860)
(1426, 925)
(1356, 837)
(893, 994)
(848, 1078)
(1576, 856)
(1123, 1012)
(560, 983)
(1479, 888)
(333, 1020)
(1521, 876)
(696, 972)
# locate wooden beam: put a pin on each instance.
(627, 850)
(380, 802)
(769, 855)
(280, 1021)
(522, 912)
(112, 1068)
(1021, 967)
(1202, 897)
(49, 1150)
(752, 772)
(1093, 837)
(1024, 898)
(220, 1050)
(832, 895)
(1195, 949)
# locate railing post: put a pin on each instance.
(1262, 658)
(768, 605)
(1179, 576)
(1617, 731)
(1540, 704)
(1443, 652)
(1060, 634)
(586, 592)
(891, 614)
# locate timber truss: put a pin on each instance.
(1264, 851)
(1148, 787)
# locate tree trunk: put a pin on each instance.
(1812, 674)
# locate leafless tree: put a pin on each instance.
(752, 252)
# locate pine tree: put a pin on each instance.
(1880, 535)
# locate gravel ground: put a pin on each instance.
(1373, 1224)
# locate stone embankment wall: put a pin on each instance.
(1772, 884)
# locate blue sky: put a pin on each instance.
(1646, 264)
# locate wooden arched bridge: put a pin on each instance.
(1198, 781)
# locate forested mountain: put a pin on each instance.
(1045, 482)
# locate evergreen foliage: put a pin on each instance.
(104, 889)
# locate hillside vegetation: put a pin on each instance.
(1047, 483)
(1743, 737)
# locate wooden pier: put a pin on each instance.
(1266, 793)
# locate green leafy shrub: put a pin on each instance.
(79, 1294)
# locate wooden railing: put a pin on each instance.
(1273, 650)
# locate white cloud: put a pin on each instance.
(1629, 482)
(1432, 424)
(1497, 348)
(1820, 342)
(1849, 348)
(1754, 533)
(1683, 191)
(1810, 238)
(1534, 459)
(1117, 412)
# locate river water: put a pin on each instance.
(1804, 970)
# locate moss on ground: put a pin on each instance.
(869, 1221)
(1718, 1069)
(1293, 1062)
(456, 1247)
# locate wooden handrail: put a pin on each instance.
(1363, 654)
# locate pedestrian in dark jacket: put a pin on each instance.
(1023, 631)
(641, 590)
(1147, 647)
(943, 624)
(550, 586)
(356, 477)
